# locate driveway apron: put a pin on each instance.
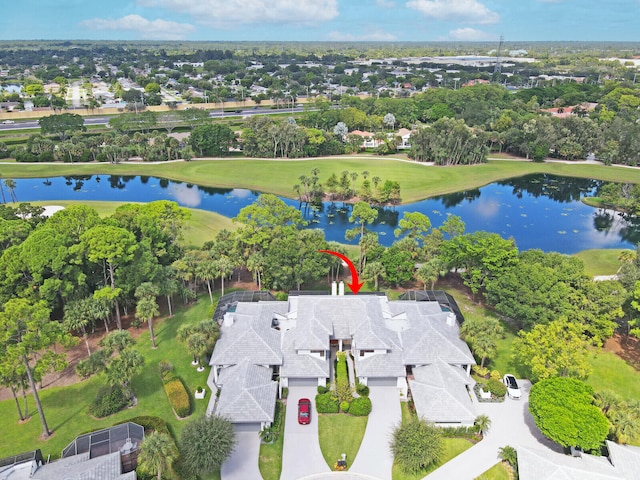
(243, 463)
(374, 457)
(301, 455)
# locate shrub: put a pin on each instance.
(164, 366)
(360, 407)
(109, 400)
(285, 392)
(416, 444)
(92, 365)
(344, 406)
(480, 371)
(362, 390)
(497, 388)
(282, 296)
(326, 403)
(205, 444)
(495, 375)
(322, 389)
(178, 397)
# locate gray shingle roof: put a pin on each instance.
(534, 464)
(80, 467)
(440, 395)
(429, 337)
(381, 365)
(250, 336)
(296, 365)
(248, 394)
(625, 458)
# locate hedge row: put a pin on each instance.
(360, 407)
(178, 397)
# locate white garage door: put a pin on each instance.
(303, 382)
(382, 382)
(246, 427)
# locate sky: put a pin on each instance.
(321, 20)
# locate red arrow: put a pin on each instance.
(355, 284)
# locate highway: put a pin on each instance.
(19, 125)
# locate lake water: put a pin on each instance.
(538, 211)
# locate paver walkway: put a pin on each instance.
(301, 454)
(374, 457)
(511, 424)
(243, 462)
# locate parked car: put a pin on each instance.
(513, 389)
(8, 122)
(304, 411)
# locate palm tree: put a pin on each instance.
(11, 185)
(625, 425)
(147, 307)
(197, 345)
(78, 316)
(607, 401)
(157, 452)
(483, 423)
(224, 267)
(354, 176)
(508, 454)
(4, 200)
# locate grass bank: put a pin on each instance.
(417, 181)
(600, 261)
(340, 433)
(201, 227)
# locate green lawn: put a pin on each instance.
(270, 461)
(452, 448)
(610, 372)
(600, 262)
(340, 433)
(66, 408)
(497, 472)
(417, 181)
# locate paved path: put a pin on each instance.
(374, 457)
(243, 463)
(301, 455)
(511, 424)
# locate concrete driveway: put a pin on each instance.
(511, 424)
(243, 462)
(301, 455)
(374, 457)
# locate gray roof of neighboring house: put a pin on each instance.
(625, 458)
(430, 337)
(250, 336)
(248, 394)
(440, 395)
(381, 365)
(539, 464)
(80, 467)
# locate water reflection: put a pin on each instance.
(538, 211)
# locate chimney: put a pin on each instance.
(334, 289)
(341, 288)
(227, 320)
(451, 319)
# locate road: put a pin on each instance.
(105, 120)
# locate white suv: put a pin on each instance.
(513, 390)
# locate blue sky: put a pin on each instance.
(321, 20)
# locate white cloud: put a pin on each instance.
(146, 29)
(385, 4)
(375, 36)
(226, 13)
(468, 11)
(469, 35)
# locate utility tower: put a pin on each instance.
(498, 67)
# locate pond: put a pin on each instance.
(538, 211)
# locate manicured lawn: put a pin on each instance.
(610, 372)
(270, 462)
(452, 448)
(340, 433)
(417, 181)
(66, 408)
(497, 472)
(201, 227)
(600, 262)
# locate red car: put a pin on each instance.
(304, 411)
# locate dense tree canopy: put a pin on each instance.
(563, 410)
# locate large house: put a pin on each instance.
(411, 345)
